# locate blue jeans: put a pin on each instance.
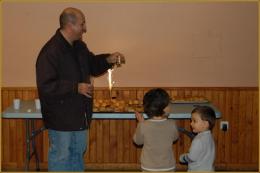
(66, 151)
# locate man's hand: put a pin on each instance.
(85, 89)
(116, 58)
(139, 117)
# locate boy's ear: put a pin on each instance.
(206, 124)
(167, 109)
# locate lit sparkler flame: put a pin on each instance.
(110, 82)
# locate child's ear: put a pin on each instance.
(206, 124)
(167, 109)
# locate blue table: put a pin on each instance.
(28, 112)
(179, 111)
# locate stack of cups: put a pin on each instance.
(17, 104)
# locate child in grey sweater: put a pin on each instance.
(156, 134)
(201, 155)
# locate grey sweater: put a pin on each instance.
(201, 155)
(157, 137)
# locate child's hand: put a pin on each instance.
(139, 117)
(182, 159)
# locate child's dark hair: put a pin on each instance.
(207, 114)
(155, 101)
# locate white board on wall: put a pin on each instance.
(165, 44)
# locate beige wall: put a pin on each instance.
(168, 44)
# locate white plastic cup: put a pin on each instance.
(17, 104)
(37, 104)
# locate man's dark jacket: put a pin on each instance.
(59, 69)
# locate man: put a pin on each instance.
(63, 70)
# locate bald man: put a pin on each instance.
(63, 70)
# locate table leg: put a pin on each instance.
(31, 133)
(27, 160)
(34, 146)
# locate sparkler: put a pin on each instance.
(110, 82)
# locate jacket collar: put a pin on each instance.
(62, 40)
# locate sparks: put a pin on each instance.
(110, 82)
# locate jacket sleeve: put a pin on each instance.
(98, 64)
(48, 82)
(138, 136)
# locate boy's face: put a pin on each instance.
(197, 124)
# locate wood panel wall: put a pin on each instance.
(110, 141)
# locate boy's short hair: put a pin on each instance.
(207, 114)
(155, 101)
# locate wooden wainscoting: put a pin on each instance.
(111, 147)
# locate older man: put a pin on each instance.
(63, 70)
